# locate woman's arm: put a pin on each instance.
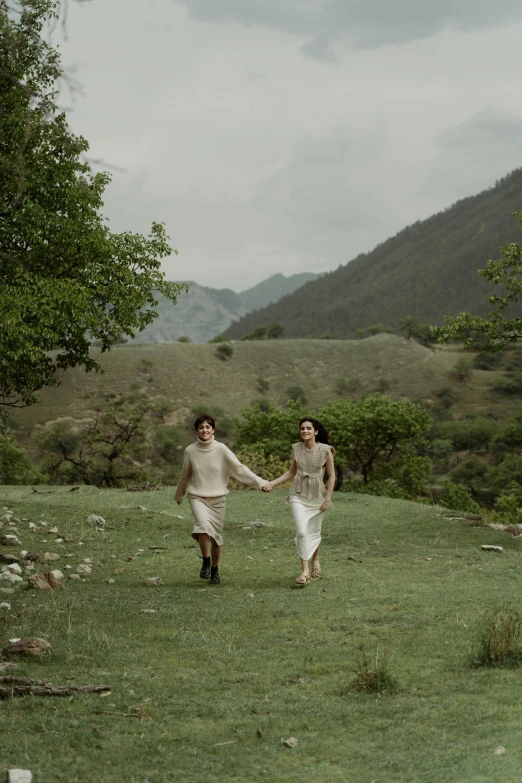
(241, 473)
(327, 500)
(290, 473)
(183, 480)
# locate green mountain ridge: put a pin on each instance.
(428, 269)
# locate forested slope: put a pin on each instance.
(429, 269)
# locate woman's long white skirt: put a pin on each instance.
(308, 520)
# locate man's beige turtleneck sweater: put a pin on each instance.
(207, 468)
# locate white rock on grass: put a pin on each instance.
(74, 576)
(154, 580)
(5, 607)
(94, 519)
(7, 590)
(19, 776)
(83, 568)
(57, 574)
(11, 579)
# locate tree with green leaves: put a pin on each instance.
(462, 370)
(270, 431)
(376, 434)
(503, 327)
(111, 451)
(15, 463)
(66, 279)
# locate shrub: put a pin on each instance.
(458, 498)
(461, 370)
(262, 385)
(472, 472)
(511, 387)
(487, 361)
(15, 463)
(372, 674)
(383, 385)
(498, 637)
(184, 339)
(224, 351)
(296, 394)
(347, 386)
(441, 450)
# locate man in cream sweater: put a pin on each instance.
(207, 466)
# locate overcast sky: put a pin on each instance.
(291, 135)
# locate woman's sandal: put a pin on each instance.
(302, 580)
(316, 572)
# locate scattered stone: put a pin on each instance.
(68, 567)
(46, 580)
(154, 580)
(12, 579)
(499, 751)
(33, 556)
(83, 568)
(251, 595)
(13, 568)
(291, 742)
(5, 558)
(30, 646)
(74, 576)
(94, 519)
(19, 776)
(5, 607)
(492, 548)
(256, 523)
(9, 539)
(111, 581)
(57, 574)
(158, 548)
(142, 508)
(149, 611)
(7, 590)
(4, 667)
(51, 556)
(53, 530)
(120, 570)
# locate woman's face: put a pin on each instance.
(307, 431)
(205, 431)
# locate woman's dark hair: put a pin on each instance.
(203, 418)
(322, 435)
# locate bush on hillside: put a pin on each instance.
(510, 386)
(487, 361)
(472, 473)
(15, 463)
(458, 498)
(224, 351)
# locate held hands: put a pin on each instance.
(267, 487)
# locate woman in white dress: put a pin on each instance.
(309, 498)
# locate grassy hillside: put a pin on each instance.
(428, 270)
(192, 376)
(207, 684)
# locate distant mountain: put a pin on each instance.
(199, 315)
(429, 270)
(273, 288)
(204, 312)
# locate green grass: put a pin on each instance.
(219, 679)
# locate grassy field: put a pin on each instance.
(192, 376)
(209, 685)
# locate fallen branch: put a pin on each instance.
(35, 688)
